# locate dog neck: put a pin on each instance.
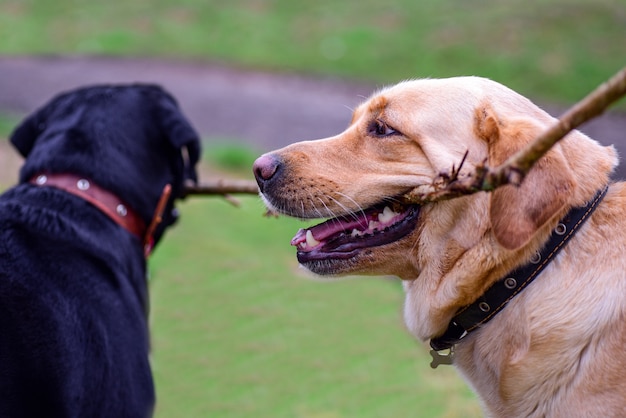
(472, 316)
(108, 203)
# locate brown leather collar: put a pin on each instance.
(104, 200)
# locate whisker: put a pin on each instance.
(414, 246)
(360, 209)
(332, 213)
(348, 211)
(392, 200)
(315, 208)
(338, 181)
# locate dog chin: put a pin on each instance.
(331, 268)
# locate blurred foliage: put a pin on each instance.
(554, 49)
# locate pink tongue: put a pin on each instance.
(333, 226)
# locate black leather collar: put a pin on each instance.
(497, 296)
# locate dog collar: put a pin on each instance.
(104, 200)
(472, 316)
(109, 204)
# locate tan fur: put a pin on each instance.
(557, 349)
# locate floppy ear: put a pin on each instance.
(24, 136)
(181, 135)
(518, 212)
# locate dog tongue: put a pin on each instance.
(333, 226)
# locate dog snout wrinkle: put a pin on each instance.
(265, 169)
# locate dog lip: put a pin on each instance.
(311, 256)
(364, 221)
(344, 245)
(332, 227)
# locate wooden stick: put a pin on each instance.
(221, 187)
(514, 170)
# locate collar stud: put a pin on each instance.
(121, 210)
(82, 184)
(510, 283)
(536, 258)
(560, 229)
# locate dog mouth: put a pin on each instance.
(345, 236)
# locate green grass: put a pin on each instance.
(549, 49)
(229, 155)
(238, 331)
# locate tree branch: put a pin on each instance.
(222, 187)
(514, 170)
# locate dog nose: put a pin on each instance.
(265, 167)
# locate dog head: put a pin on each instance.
(401, 139)
(130, 139)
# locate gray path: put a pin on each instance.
(265, 110)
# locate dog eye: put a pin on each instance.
(379, 128)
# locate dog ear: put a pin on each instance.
(26, 133)
(518, 212)
(181, 135)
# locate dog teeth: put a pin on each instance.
(378, 224)
(387, 215)
(373, 225)
(310, 241)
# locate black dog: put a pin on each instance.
(73, 296)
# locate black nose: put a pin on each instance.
(265, 167)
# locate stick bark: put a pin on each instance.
(221, 187)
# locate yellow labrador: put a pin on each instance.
(551, 344)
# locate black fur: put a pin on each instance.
(73, 296)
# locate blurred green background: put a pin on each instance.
(238, 330)
(557, 49)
